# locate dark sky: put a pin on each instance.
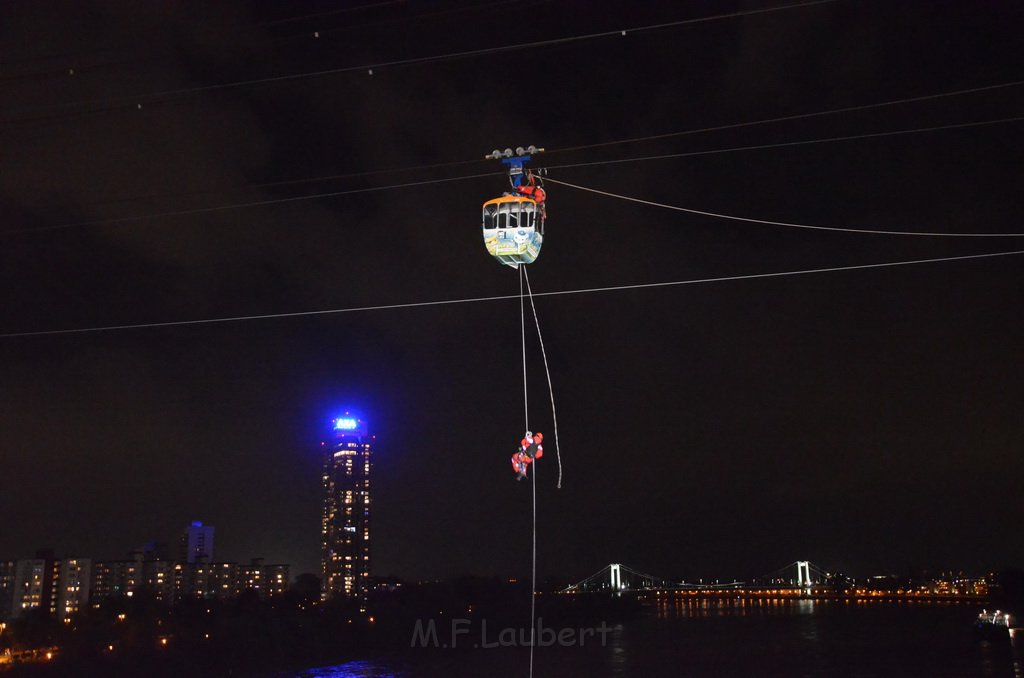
(868, 420)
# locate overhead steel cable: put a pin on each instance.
(331, 194)
(315, 34)
(241, 205)
(795, 116)
(785, 144)
(369, 173)
(285, 182)
(504, 297)
(202, 31)
(757, 147)
(458, 163)
(137, 99)
(767, 222)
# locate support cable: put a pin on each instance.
(255, 203)
(371, 189)
(788, 144)
(782, 223)
(797, 116)
(472, 300)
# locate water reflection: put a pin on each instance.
(728, 637)
(684, 606)
(691, 607)
(996, 655)
(809, 630)
(359, 669)
(618, 661)
(1017, 646)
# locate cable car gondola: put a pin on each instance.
(513, 225)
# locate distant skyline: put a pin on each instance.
(867, 420)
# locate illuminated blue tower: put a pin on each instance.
(346, 519)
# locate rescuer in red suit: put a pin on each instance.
(532, 190)
(530, 448)
(536, 193)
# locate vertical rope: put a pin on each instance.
(533, 573)
(551, 390)
(526, 412)
(522, 325)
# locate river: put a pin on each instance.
(721, 638)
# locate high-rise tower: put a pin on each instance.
(196, 543)
(346, 519)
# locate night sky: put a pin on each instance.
(867, 420)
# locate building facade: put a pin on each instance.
(65, 587)
(345, 526)
(115, 578)
(158, 577)
(35, 584)
(196, 543)
(205, 580)
(266, 580)
(8, 568)
(228, 580)
(73, 585)
(142, 571)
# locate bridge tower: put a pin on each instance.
(615, 574)
(803, 575)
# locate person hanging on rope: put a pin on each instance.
(531, 189)
(530, 448)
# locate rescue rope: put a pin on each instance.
(533, 474)
(522, 326)
(547, 372)
(533, 574)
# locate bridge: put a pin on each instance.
(799, 579)
(801, 576)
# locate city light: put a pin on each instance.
(346, 424)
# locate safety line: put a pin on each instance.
(470, 300)
(782, 223)
(547, 372)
